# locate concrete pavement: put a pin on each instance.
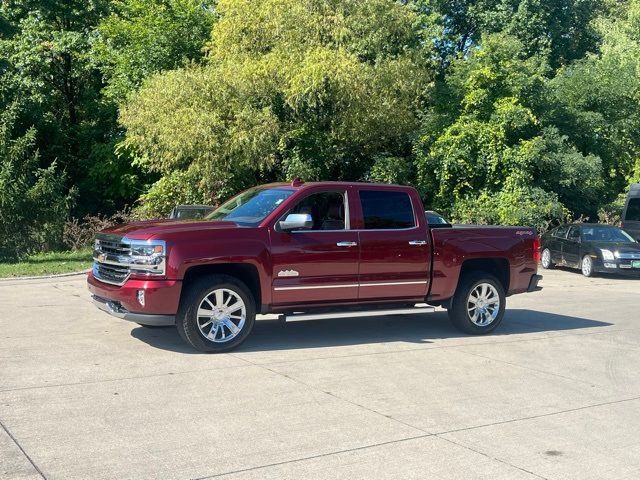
(554, 393)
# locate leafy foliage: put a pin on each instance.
(295, 88)
(33, 203)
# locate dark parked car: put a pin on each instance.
(592, 248)
(190, 212)
(435, 220)
(631, 212)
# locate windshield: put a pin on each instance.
(605, 234)
(250, 207)
(434, 218)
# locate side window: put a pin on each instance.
(386, 210)
(327, 209)
(561, 232)
(574, 233)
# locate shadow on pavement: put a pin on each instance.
(621, 275)
(419, 329)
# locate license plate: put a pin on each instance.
(635, 264)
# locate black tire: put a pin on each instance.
(459, 313)
(187, 320)
(545, 259)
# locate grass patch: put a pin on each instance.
(48, 264)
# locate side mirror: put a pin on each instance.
(295, 221)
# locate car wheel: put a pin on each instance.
(587, 266)
(546, 259)
(478, 304)
(216, 314)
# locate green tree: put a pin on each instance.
(47, 65)
(142, 37)
(33, 202)
(484, 141)
(595, 101)
(315, 89)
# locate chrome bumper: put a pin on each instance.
(115, 309)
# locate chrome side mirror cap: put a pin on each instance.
(295, 221)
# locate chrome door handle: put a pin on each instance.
(347, 244)
(418, 242)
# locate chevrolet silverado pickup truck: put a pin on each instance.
(308, 251)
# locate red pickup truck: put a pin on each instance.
(308, 250)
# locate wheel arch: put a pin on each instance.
(245, 272)
(498, 267)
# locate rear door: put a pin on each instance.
(395, 253)
(320, 264)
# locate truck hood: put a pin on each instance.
(157, 228)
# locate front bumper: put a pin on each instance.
(161, 300)
(115, 309)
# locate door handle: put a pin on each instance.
(347, 244)
(418, 242)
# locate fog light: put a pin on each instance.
(610, 265)
(141, 297)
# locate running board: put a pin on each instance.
(298, 317)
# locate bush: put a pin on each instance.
(79, 233)
(33, 201)
(514, 205)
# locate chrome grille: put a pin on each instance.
(110, 246)
(110, 273)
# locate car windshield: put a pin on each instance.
(435, 219)
(605, 234)
(250, 207)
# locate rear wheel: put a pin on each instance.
(478, 304)
(546, 259)
(217, 314)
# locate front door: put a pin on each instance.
(571, 247)
(394, 247)
(320, 264)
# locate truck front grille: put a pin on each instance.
(114, 274)
(104, 270)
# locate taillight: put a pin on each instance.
(536, 249)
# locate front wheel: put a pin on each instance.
(587, 266)
(478, 304)
(216, 314)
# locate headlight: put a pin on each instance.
(146, 249)
(147, 257)
(607, 254)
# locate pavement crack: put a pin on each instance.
(33, 464)
(542, 415)
(333, 395)
(312, 457)
(528, 368)
(504, 462)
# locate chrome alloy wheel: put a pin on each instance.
(483, 304)
(221, 315)
(587, 266)
(546, 258)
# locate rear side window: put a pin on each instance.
(561, 232)
(385, 210)
(633, 211)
